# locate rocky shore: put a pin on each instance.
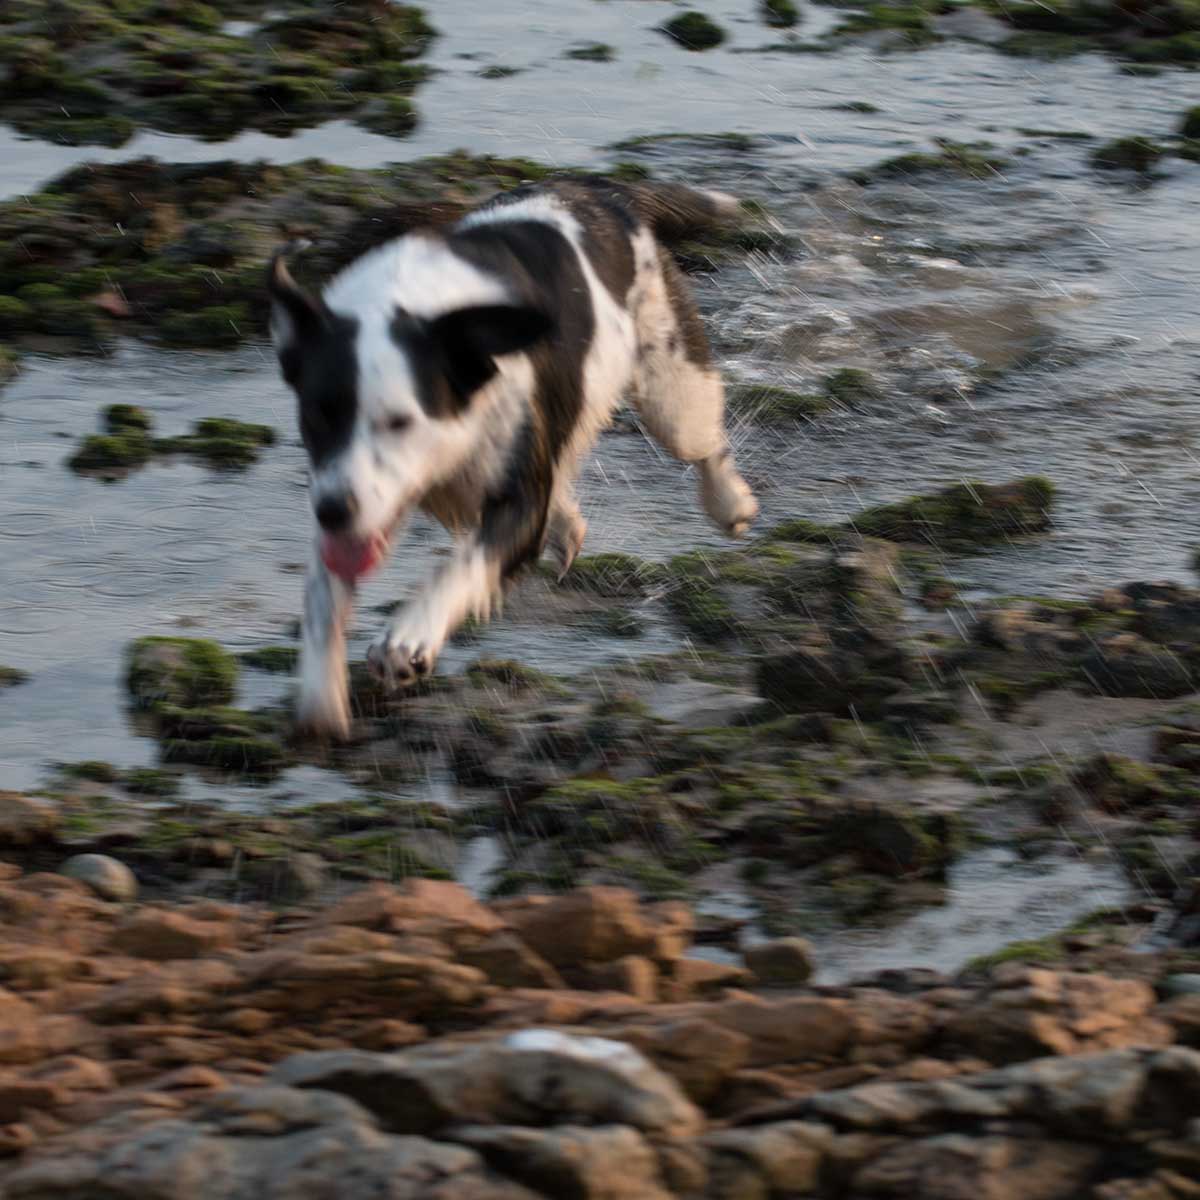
(410, 1041)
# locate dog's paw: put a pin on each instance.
(727, 497)
(566, 540)
(398, 661)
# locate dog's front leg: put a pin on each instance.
(324, 704)
(467, 586)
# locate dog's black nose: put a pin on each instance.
(336, 512)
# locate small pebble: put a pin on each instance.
(108, 878)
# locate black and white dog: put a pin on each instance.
(466, 372)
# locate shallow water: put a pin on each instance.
(1044, 321)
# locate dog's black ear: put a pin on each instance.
(468, 339)
(296, 315)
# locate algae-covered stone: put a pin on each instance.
(1137, 154)
(221, 441)
(278, 659)
(963, 515)
(592, 52)
(11, 677)
(953, 158)
(612, 574)
(779, 14)
(177, 670)
(98, 72)
(694, 31)
(1189, 127)
(768, 404)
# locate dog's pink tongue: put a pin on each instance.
(351, 558)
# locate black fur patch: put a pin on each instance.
(540, 270)
(608, 223)
(687, 319)
(324, 374)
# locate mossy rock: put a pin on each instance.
(593, 52)
(779, 14)
(851, 386)
(612, 574)
(965, 515)
(696, 598)
(767, 404)
(150, 781)
(910, 22)
(953, 158)
(11, 677)
(104, 70)
(126, 418)
(1189, 127)
(394, 116)
(94, 770)
(221, 441)
(1136, 154)
(281, 660)
(190, 672)
(112, 451)
(694, 31)
(244, 755)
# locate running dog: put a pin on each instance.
(466, 371)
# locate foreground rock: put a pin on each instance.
(412, 1041)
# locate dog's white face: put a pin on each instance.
(386, 406)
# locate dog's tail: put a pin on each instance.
(675, 211)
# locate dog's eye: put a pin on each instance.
(398, 423)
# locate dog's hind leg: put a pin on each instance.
(324, 704)
(681, 398)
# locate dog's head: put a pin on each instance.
(387, 401)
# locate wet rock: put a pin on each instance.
(1128, 665)
(1115, 782)
(189, 672)
(109, 878)
(964, 515)
(1136, 154)
(787, 960)
(858, 672)
(694, 31)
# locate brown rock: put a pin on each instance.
(15, 1139)
(590, 925)
(1031, 1012)
(389, 1034)
(161, 934)
(701, 977)
(609, 1163)
(699, 1054)
(25, 820)
(633, 974)
(788, 1030)
(429, 903)
(508, 962)
(958, 1167)
(782, 1159)
(18, 1097)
